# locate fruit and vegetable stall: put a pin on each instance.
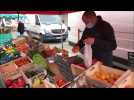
(27, 63)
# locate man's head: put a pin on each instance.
(89, 18)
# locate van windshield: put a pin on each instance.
(50, 19)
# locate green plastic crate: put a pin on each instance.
(4, 38)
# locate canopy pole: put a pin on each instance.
(18, 15)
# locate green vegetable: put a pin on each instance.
(38, 59)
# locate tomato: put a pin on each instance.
(8, 82)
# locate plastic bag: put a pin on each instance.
(88, 55)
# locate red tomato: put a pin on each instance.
(8, 82)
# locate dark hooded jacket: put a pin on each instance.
(105, 41)
(21, 27)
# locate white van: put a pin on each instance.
(47, 27)
(122, 22)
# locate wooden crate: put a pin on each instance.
(12, 75)
(46, 83)
(23, 47)
(8, 67)
(54, 68)
(76, 70)
(104, 74)
(21, 58)
(126, 81)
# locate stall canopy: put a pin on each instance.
(36, 12)
(12, 16)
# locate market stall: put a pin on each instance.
(28, 63)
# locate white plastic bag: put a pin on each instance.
(87, 55)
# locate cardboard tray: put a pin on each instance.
(98, 67)
(8, 68)
(12, 75)
(76, 70)
(126, 81)
(26, 57)
(82, 81)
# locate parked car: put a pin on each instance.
(47, 27)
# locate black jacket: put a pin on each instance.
(105, 41)
(21, 27)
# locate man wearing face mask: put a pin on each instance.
(100, 35)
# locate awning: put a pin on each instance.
(12, 16)
(37, 12)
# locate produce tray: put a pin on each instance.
(12, 75)
(14, 79)
(64, 68)
(8, 67)
(37, 72)
(76, 69)
(37, 58)
(22, 61)
(82, 81)
(23, 47)
(103, 73)
(26, 67)
(126, 81)
(33, 71)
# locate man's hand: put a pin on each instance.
(89, 41)
(75, 49)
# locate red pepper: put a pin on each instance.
(8, 82)
(60, 83)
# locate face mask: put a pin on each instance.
(90, 25)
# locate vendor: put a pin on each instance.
(21, 27)
(100, 35)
